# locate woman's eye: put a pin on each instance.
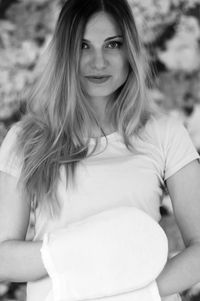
(84, 46)
(114, 45)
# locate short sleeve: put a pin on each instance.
(10, 161)
(177, 147)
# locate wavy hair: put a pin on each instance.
(58, 124)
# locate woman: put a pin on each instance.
(91, 142)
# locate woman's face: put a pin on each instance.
(103, 63)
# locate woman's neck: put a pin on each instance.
(99, 132)
(105, 126)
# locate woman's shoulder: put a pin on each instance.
(163, 130)
(12, 135)
(162, 125)
(162, 121)
(10, 159)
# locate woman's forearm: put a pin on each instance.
(20, 261)
(181, 272)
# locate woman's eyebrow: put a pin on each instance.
(107, 39)
(114, 37)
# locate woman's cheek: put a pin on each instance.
(85, 60)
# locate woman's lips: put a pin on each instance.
(98, 79)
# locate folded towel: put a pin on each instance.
(117, 253)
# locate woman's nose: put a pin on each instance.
(99, 61)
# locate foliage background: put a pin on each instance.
(169, 29)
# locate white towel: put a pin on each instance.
(117, 253)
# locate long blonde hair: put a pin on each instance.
(59, 117)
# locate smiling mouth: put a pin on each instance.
(98, 79)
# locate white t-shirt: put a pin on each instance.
(111, 177)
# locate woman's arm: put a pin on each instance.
(20, 260)
(183, 270)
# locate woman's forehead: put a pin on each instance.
(101, 25)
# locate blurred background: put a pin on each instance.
(170, 31)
